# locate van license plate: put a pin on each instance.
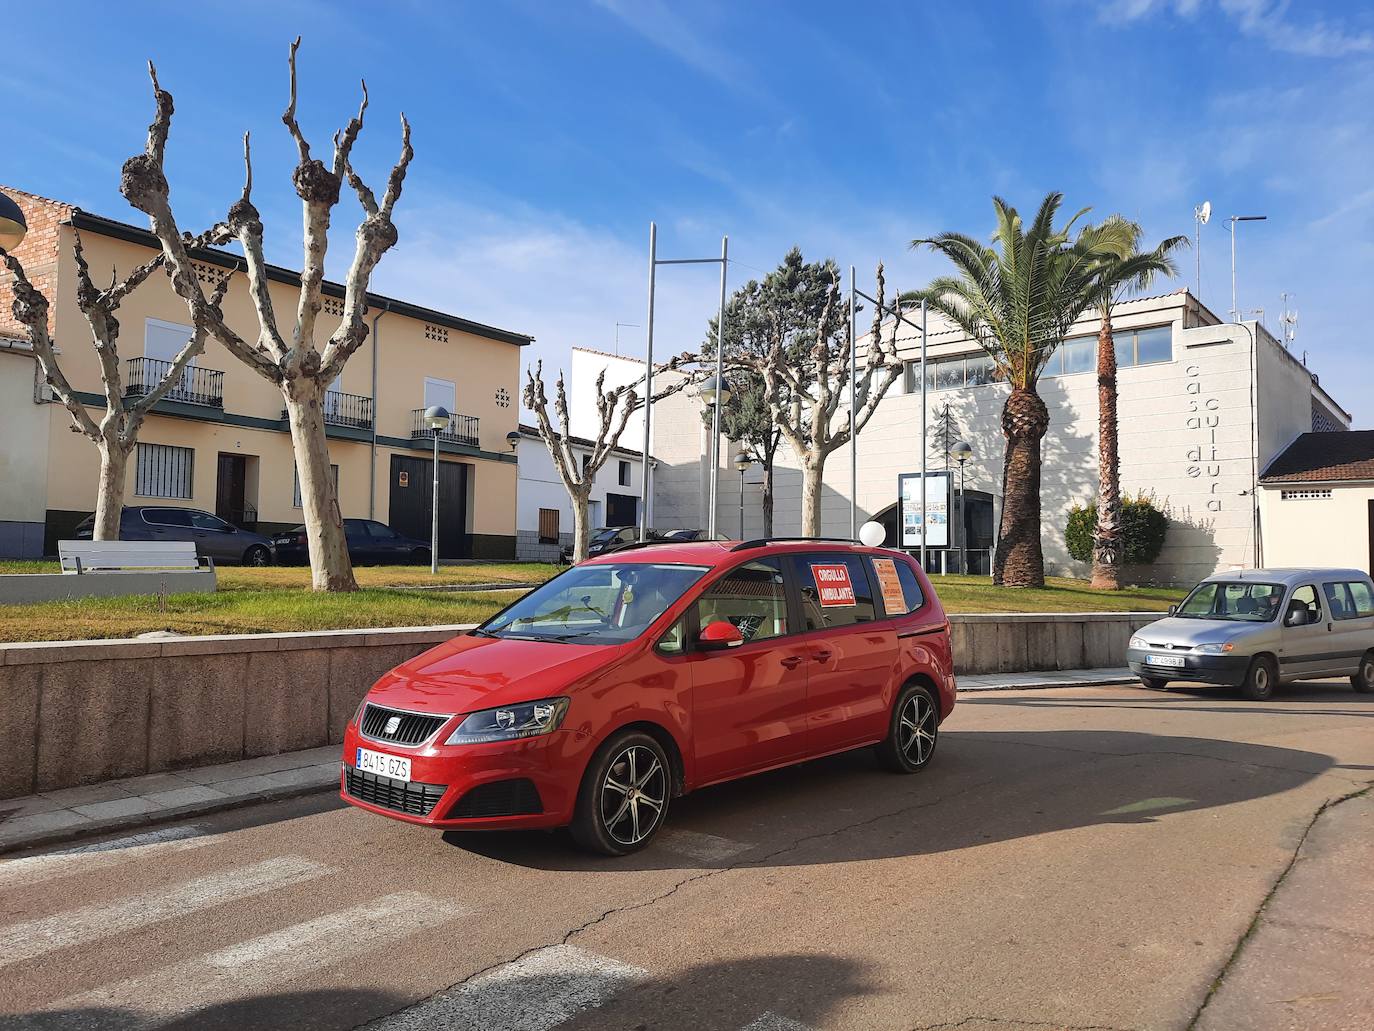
(392, 766)
(1173, 661)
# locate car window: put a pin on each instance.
(897, 586)
(1362, 597)
(381, 532)
(674, 642)
(751, 597)
(205, 521)
(1307, 596)
(1239, 600)
(834, 590)
(167, 516)
(355, 528)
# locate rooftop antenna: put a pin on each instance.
(626, 325)
(1201, 215)
(1289, 322)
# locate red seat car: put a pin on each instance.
(630, 679)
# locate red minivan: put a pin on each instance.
(629, 679)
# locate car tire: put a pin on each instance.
(1154, 683)
(1363, 681)
(913, 731)
(257, 555)
(1260, 680)
(420, 556)
(611, 821)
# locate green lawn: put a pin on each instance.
(274, 600)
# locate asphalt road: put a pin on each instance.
(1073, 858)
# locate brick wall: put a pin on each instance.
(38, 254)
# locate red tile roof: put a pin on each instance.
(1318, 457)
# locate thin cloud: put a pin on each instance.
(1266, 20)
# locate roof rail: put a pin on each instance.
(764, 541)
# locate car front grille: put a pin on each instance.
(410, 797)
(411, 727)
(518, 797)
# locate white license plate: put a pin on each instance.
(284, 540)
(1173, 661)
(383, 765)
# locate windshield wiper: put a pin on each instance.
(477, 631)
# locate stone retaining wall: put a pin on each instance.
(80, 712)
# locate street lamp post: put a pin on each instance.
(961, 452)
(436, 418)
(1235, 304)
(715, 392)
(742, 463)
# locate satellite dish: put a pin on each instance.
(1205, 212)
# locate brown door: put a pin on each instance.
(230, 488)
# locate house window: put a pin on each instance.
(586, 461)
(164, 471)
(624, 477)
(1305, 495)
(548, 526)
(164, 340)
(1079, 354)
(296, 484)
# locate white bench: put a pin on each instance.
(128, 556)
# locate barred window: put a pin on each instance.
(548, 526)
(296, 484)
(164, 471)
(1315, 494)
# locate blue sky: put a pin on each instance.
(548, 134)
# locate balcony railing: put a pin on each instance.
(195, 386)
(342, 409)
(462, 429)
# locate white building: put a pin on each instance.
(1317, 502)
(1203, 407)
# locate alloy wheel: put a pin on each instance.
(916, 728)
(633, 795)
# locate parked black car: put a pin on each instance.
(369, 542)
(684, 535)
(215, 539)
(606, 539)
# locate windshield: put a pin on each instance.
(1240, 600)
(597, 604)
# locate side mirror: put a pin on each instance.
(1173, 610)
(719, 635)
(1297, 615)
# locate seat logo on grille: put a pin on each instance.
(391, 725)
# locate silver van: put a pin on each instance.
(1257, 628)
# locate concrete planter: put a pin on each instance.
(31, 588)
(80, 712)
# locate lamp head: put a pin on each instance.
(713, 388)
(743, 461)
(960, 451)
(513, 439)
(436, 417)
(13, 226)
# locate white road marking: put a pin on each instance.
(107, 919)
(535, 993)
(770, 1021)
(265, 964)
(101, 854)
(708, 848)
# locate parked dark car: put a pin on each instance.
(606, 539)
(684, 535)
(369, 542)
(214, 539)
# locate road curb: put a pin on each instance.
(62, 835)
(1050, 685)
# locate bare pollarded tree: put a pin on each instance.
(613, 408)
(293, 360)
(806, 385)
(116, 433)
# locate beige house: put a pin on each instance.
(1317, 502)
(219, 441)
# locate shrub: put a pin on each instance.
(1144, 526)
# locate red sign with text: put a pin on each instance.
(833, 586)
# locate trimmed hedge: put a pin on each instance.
(1143, 529)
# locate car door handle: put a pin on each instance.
(792, 661)
(822, 654)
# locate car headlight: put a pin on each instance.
(1137, 642)
(510, 722)
(1216, 649)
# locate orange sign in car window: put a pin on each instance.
(893, 599)
(833, 586)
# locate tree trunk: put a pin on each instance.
(1020, 559)
(330, 567)
(813, 475)
(767, 500)
(1107, 544)
(582, 530)
(109, 499)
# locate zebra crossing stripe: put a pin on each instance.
(534, 993)
(107, 919)
(101, 854)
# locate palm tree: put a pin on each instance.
(1017, 300)
(1122, 269)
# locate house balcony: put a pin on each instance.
(462, 429)
(195, 386)
(351, 410)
